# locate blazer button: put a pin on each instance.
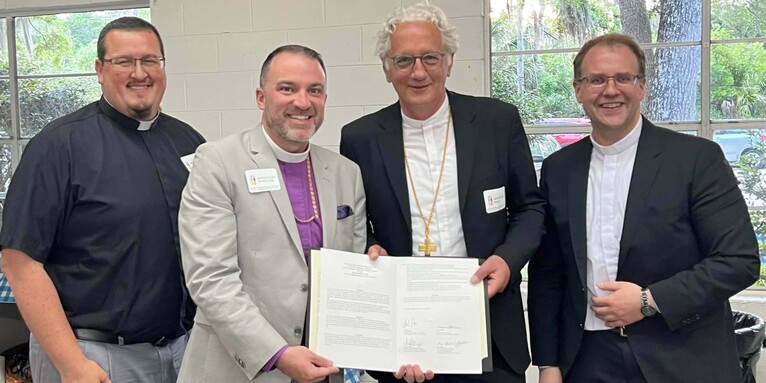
(298, 331)
(580, 325)
(304, 287)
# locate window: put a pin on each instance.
(706, 75)
(46, 71)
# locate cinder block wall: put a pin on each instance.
(215, 49)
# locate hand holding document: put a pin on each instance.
(379, 315)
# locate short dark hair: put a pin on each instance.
(611, 39)
(290, 48)
(127, 23)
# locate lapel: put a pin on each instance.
(578, 194)
(645, 170)
(391, 147)
(325, 183)
(466, 136)
(263, 157)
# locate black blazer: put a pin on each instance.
(686, 235)
(492, 151)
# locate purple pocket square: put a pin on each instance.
(345, 211)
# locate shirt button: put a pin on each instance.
(304, 287)
(298, 331)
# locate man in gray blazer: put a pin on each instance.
(255, 204)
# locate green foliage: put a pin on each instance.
(738, 78)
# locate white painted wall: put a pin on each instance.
(215, 50)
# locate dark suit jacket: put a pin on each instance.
(492, 151)
(686, 235)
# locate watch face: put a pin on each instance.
(648, 311)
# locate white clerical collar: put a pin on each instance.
(142, 125)
(622, 145)
(284, 155)
(439, 117)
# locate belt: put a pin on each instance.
(619, 331)
(105, 337)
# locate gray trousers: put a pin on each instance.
(139, 363)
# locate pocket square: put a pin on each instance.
(345, 211)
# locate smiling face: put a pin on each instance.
(614, 109)
(421, 91)
(292, 99)
(134, 91)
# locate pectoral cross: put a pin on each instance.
(427, 247)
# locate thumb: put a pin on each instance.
(609, 286)
(321, 361)
(481, 273)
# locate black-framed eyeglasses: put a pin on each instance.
(130, 62)
(431, 60)
(600, 80)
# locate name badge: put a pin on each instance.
(188, 161)
(261, 180)
(494, 199)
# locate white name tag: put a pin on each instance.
(188, 161)
(494, 199)
(261, 180)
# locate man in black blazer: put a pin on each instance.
(472, 153)
(647, 238)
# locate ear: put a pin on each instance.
(577, 87)
(99, 70)
(260, 98)
(386, 72)
(449, 66)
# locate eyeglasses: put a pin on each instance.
(126, 63)
(600, 80)
(430, 60)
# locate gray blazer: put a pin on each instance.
(243, 258)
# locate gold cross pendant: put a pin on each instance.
(427, 247)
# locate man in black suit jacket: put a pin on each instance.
(473, 154)
(647, 238)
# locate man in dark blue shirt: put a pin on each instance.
(90, 245)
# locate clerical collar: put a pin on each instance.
(124, 120)
(440, 117)
(284, 155)
(630, 140)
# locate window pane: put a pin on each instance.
(5, 109)
(3, 48)
(738, 81)
(63, 43)
(43, 100)
(672, 88)
(738, 144)
(539, 85)
(733, 19)
(524, 25)
(758, 218)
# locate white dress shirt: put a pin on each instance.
(611, 168)
(424, 143)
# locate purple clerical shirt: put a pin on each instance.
(296, 179)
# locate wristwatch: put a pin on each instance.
(646, 309)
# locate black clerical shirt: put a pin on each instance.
(96, 201)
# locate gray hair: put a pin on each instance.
(414, 13)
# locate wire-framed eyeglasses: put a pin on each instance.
(600, 80)
(130, 62)
(431, 60)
